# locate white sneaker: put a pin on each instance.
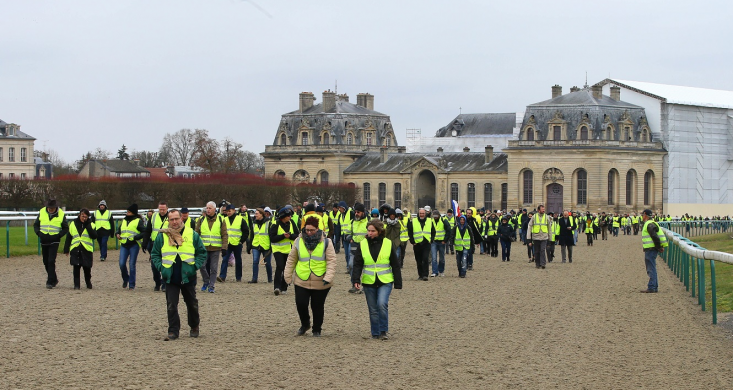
(433, 275)
(277, 291)
(441, 274)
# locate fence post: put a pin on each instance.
(7, 236)
(712, 287)
(701, 284)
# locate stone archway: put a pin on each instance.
(425, 194)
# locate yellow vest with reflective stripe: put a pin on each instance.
(589, 227)
(646, 239)
(261, 236)
(539, 224)
(439, 230)
(404, 234)
(310, 262)
(451, 222)
(286, 244)
(128, 232)
(82, 239)
(555, 230)
(49, 226)
(461, 242)
(421, 233)
(101, 220)
(324, 221)
(376, 269)
(158, 224)
(186, 250)
(616, 222)
(211, 236)
(359, 230)
(492, 227)
(234, 230)
(346, 222)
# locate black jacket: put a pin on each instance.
(505, 232)
(274, 237)
(140, 228)
(375, 245)
(566, 235)
(80, 255)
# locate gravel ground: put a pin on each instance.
(507, 325)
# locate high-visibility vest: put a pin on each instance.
(589, 227)
(324, 221)
(451, 222)
(422, 233)
(101, 220)
(539, 224)
(311, 262)
(296, 218)
(82, 238)
(616, 222)
(439, 230)
(555, 230)
(379, 268)
(358, 230)
(335, 216)
(261, 235)
(461, 242)
(158, 223)
(646, 239)
(285, 244)
(572, 221)
(211, 236)
(234, 229)
(49, 226)
(186, 250)
(346, 222)
(128, 231)
(492, 227)
(404, 234)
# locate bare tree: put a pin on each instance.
(206, 152)
(147, 159)
(250, 162)
(229, 152)
(179, 147)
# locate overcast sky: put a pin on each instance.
(84, 74)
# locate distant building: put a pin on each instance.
(184, 171)
(113, 168)
(494, 129)
(158, 173)
(16, 153)
(44, 169)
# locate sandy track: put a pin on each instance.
(508, 325)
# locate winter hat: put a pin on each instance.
(360, 207)
(103, 203)
(52, 203)
(427, 208)
(184, 210)
(450, 211)
(268, 210)
(310, 207)
(133, 208)
(436, 213)
(320, 209)
(336, 204)
(284, 212)
(648, 212)
(343, 204)
(398, 211)
(375, 211)
(392, 212)
(230, 207)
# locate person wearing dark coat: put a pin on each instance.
(50, 226)
(80, 257)
(420, 244)
(475, 233)
(104, 224)
(505, 233)
(566, 238)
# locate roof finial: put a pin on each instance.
(337, 86)
(586, 80)
(460, 110)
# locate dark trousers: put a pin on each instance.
(604, 233)
(540, 252)
(49, 262)
(402, 253)
(188, 291)
(506, 249)
(449, 247)
(102, 240)
(589, 238)
(493, 248)
(530, 252)
(422, 258)
(550, 251)
(317, 300)
(156, 274)
(87, 276)
(279, 279)
(237, 251)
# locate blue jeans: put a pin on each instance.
(237, 250)
(398, 250)
(615, 231)
(438, 250)
(103, 246)
(256, 265)
(346, 244)
(650, 260)
(131, 253)
(469, 256)
(378, 302)
(461, 260)
(506, 248)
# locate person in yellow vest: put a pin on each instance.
(463, 243)
(437, 247)
(261, 245)
(311, 266)
(80, 246)
(358, 233)
(156, 222)
(452, 222)
(177, 254)
(346, 215)
(538, 231)
(589, 226)
(653, 241)
(393, 230)
(491, 228)
(616, 224)
(566, 240)
(471, 220)
(282, 234)
(237, 233)
(327, 223)
(50, 226)
(421, 231)
(131, 232)
(244, 212)
(213, 232)
(187, 221)
(335, 216)
(555, 232)
(404, 236)
(104, 223)
(377, 270)
(635, 219)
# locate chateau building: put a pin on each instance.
(16, 153)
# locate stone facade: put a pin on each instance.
(16, 153)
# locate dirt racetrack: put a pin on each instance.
(507, 325)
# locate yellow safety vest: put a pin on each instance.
(421, 233)
(211, 236)
(359, 230)
(539, 224)
(286, 244)
(82, 239)
(646, 239)
(324, 221)
(310, 262)
(589, 227)
(616, 222)
(158, 224)
(186, 250)
(555, 230)
(462, 242)
(128, 232)
(439, 230)
(492, 227)
(234, 229)
(101, 220)
(451, 222)
(261, 236)
(346, 222)
(404, 234)
(49, 226)
(376, 269)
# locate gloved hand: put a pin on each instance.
(326, 282)
(145, 250)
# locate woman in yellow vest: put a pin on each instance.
(131, 232)
(282, 234)
(589, 228)
(104, 224)
(261, 245)
(313, 261)
(377, 269)
(80, 245)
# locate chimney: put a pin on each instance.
(466, 149)
(365, 100)
(384, 156)
(488, 153)
(616, 93)
(556, 91)
(401, 149)
(597, 92)
(344, 97)
(440, 149)
(329, 100)
(574, 88)
(306, 101)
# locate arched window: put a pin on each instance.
(583, 133)
(283, 139)
(471, 195)
(388, 140)
(645, 135)
(349, 139)
(528, 178)
(324, 177)
(304, 138)
(627, 134)
(611, 186)
(609, 133)
(504, 193)
(326, 139)
(367, 196)
(648, 178)
(488, 196)
(397, 195)
(382, 194)
(530, 134)
(454, 191)
(582, 187)
(630, 188)
(278, 174)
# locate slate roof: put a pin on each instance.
(584, 97)
(450, 162)
(18, 134)
(121, 166)
(677, 94)
(341, 107)
(479, 124)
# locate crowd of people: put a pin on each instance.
(305, 240)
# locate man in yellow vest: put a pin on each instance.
(422, 233)
(491, 228)
(437, 247)
(335, 215)
(50, 226)
(358, 234)
(554, 233)
(282, 233)
(177, 254)
(244, 212)
(237, 232)
(452, 222)
(187, 220)
(404, 237)
(212, 229)
(635, 219)
(80, 245)
(538, 233)
(345, 218)
(653, 241)
(463, 242)
(104, 223)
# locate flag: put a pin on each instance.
(456, 209)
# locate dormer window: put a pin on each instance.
(369, 139)
(283, 139)
(530, 134)
(304, 138)
(583, 133)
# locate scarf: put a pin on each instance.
(311, 242)
(174, 236)
(391, 221)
